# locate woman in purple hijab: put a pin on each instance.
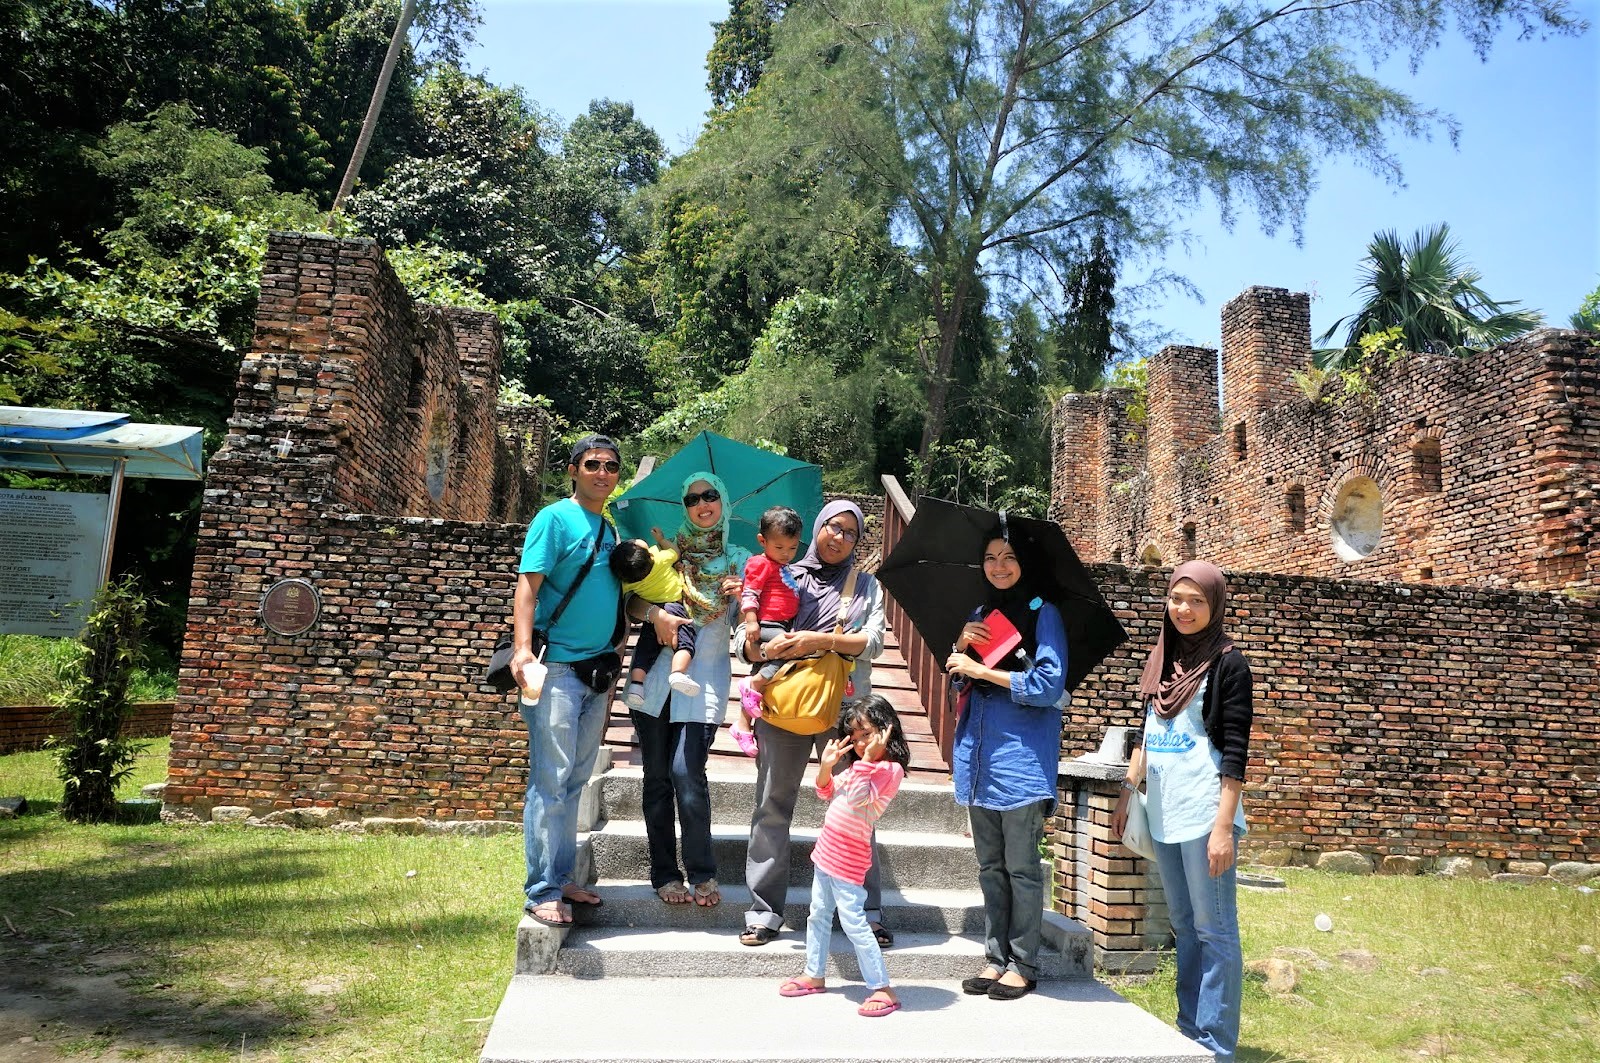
(782, 756)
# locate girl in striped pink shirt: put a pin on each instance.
(876, 743)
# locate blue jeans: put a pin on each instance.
(828, 893)
(564, 730)
(1012, 881)
(674, 756)
(1205, 921)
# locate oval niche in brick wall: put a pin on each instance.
(1357, 518)
(438, 454)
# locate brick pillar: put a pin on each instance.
(478, 349)
(1266, 336)
(1076, 474)
(519, 466)
(1107, 888)
(1566, 480)
(1182, 417)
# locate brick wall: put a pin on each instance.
(401, 499)
(1481, 471)
(25, 727)
(1399, 720)
(379, 710)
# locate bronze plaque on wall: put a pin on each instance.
(291, 606)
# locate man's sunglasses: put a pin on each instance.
(595, 465)
(710, 494)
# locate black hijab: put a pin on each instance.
(1020, 602)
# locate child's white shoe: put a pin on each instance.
(633, 697)
(681, 682)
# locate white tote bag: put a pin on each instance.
(1136, 835)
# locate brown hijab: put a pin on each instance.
(1178, 663)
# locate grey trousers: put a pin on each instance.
(1012, 882)
(780, 772)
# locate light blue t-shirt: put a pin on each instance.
(1183, 774)
(559, 541)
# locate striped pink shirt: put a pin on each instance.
(844, 848)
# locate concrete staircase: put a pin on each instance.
(637, 979)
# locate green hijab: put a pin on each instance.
(707, 556)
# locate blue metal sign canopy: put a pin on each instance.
(90, 443)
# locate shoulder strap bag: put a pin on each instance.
(805, 696)
(498, 674)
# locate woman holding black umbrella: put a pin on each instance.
(1010, 667)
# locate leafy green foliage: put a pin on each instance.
(94, 757)
(1000, 136)
(1587, 316)
(1424, 288)
(740, 51)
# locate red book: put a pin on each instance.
(1003, 638)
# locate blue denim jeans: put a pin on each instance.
(674, 756)
(1012, 881)
(827, 894)
(564, 730)
(1205, 922)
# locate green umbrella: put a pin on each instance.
(756, 479)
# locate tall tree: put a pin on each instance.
(999, 131)
(1425, 288)
(1084, 343)
(740, 50)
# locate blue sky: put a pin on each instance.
(1522, 193)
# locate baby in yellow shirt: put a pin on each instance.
(651, 572)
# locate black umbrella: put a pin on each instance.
(934, 572)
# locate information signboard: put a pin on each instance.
(50, 548)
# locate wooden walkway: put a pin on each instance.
(889, 678)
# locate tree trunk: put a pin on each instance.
(949, 318)
(379, 91)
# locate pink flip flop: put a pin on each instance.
(877, 1007)
(796, 988)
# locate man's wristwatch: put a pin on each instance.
(1130, 787)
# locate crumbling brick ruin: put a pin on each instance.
(396, 497)
(1414, 575)
(1481, 472)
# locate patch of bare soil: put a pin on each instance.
(63, 1002)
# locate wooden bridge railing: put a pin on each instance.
(933, 691)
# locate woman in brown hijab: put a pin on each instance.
(1198, 710)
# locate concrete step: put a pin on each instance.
(744, 1020)
(610, 952)
(635, 904)
(918, 806)
(909, 858)
(914, 916)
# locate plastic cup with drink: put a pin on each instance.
(530, 677)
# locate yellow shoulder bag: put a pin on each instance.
(805, 696)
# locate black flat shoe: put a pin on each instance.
(756, 934)
(976, 986)
(1001, 991)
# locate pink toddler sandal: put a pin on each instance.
(795, 987)
(749, 699)
(877, 1007)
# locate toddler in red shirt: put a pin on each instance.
(768, 604)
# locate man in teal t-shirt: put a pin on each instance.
(567, 722)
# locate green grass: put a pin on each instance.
(314, 946)
(1507, 980)
(309, 945)
(33, 671)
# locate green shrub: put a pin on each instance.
(95, 757)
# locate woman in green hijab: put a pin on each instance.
(676, 730)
